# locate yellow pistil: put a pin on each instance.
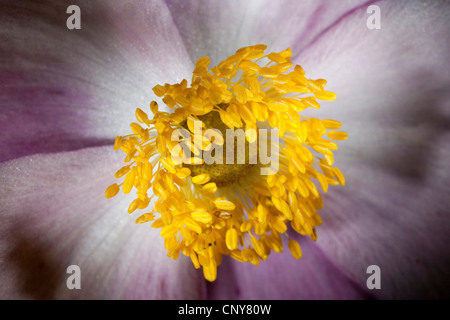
(208, 210)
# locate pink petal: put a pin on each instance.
(218, 28)
(398, 223)
(282, 277)
(55, 214)
(68, 89)
(393, 100)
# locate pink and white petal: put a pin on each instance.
(68, 89)
(399, 224)
(282, 277)
(393, 101)
(54, 214)
(218, 28)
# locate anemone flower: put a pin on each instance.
(67, 94)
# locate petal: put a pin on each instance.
(55, 214)
(393, 101)
(398, 224)
(67, 89)
(218, 28)
(282, 277)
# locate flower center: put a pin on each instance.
(223, 174)
(246, 92)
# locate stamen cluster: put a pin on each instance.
(248, 218)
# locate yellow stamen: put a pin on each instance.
(224, 204)
(201, 178)
(112, 190)
(231, 239)
(295, 249)
(208, 210)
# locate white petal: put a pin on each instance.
(55, 214)
(393, 101)
(67, 89)
(218, 28)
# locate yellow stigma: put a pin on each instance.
(208, 210)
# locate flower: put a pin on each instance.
(67, 93)
(234, 203)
